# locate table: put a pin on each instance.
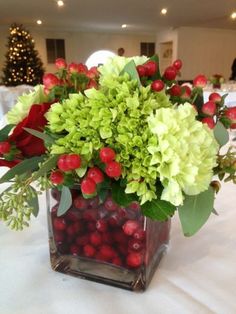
(9, 95)
(196, 276)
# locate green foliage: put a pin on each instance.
(221, 134)
(5, 131)
(158, 210)
(65, 201)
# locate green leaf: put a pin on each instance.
(130, 68)
(27, 165)
(158, 209)
(43, 136)
(34, 202)
(195, 211)
(157, 75)
(47, 166)
(221, 134)
(120, 197)
(65, 201)
(5, 131)
(102, 194)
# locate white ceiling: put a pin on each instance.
(108, 15)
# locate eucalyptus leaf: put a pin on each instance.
(34, 202)
(43, 136)
(195, 211)
(47, 166)
(4, 132)
(27, 165)
(221, 134)
(158, 210)
(130, 68)
(65, 201)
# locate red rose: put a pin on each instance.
(28, 144)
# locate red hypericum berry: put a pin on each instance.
(109, 204)
(113, 169)
(50, 80)
(88, 186)
(175, 90)
(56, 177)
(215, 97)
(4, 147)
(150, 68)
(200, 81)
(209, 108)
(130, 226)
(89, 250)
(101, 225)
(170, 73)
(92, 84)
(74, 249)
(59, 224)
(92, 73)
(177, 64)
(73, 68)
(230, 113)
(209, 121)
(185, 92)
(95, 238)
(107, 154)
(95, 174)
(82, 68)
(60, 63)
(134, 259)
(73, 161)
(141, 70)
(157, 85)
(62, 163)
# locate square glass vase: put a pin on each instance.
(104, 242)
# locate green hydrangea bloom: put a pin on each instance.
(24, 103)
(184, 152)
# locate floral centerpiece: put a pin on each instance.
(216, 80)
(123, 134)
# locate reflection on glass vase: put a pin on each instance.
(104, 242)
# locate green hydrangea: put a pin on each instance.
(183, 151)
(24, 103)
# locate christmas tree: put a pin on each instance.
(23, 65)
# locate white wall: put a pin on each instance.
(206, 50)
(79, 45)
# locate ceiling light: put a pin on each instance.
(60, 3)
(124, 25)
(164, 11)
(233, 15)
(39, 22)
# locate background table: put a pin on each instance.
(197, 275)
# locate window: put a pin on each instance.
(99, 57)
(55, 49)
(147, 49)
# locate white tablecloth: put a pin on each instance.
(197, 275)
(9, 95)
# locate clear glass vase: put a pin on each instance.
(104, 242)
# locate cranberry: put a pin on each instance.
(4, 147)
(90, 214)
(134, 259)
(95, 238)
(80, 202)
(88, 186)
(139, 234)
(59, 224)
(59, 236)
(89, 250)
(107, 251)
(91, 225)
(101, 225)
(135, 245)
(71, 216)
(107, 154)
(119, 236)
(56, 177)
(114, 220)
(113, 169)
(82, 240)
(135, 206)
(107, 238)
(56, 194)
(93, 202)
(110, 205)
(117, 261)
(95, 174)
(74, 249)
(130, 226)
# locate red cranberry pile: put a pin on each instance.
(105, 232)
